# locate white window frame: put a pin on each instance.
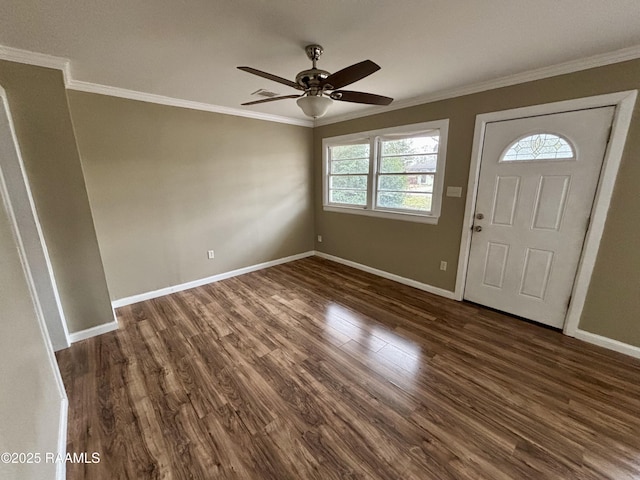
(373, 137)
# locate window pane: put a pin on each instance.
(350, 197)
(408, 146)
(360, 165)
(543, 146)
(405, 201)
(345, 152)
(409, 183)
(409, 164)
(358, 182)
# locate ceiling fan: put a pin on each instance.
(321, 87)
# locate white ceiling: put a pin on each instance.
(189, 49)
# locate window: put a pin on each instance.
(541, 146)
(394, 173)
(348, 173)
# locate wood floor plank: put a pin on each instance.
(314, 370)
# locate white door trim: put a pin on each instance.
(624, 103)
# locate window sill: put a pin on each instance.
(406, 217)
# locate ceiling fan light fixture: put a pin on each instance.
(314, 105)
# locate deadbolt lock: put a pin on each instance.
(479, 216)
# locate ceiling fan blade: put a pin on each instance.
(272, 99)
(351, 74)
(275, 78)
(360, 97)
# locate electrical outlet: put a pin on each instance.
(443, 265)
(210, 254)
(319, 238)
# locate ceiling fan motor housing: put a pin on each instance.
(311, 80)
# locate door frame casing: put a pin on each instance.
(624, 103)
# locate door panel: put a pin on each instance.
(535, 276)
(550, 202)
(495, 264)
(538, 179)
(505, 201)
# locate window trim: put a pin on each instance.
(373, 137)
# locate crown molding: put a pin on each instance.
(38, 59)
(600, 60)
(177, 102)
(64, 64)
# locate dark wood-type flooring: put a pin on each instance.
(313, 370)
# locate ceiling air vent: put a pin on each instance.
(265, 93)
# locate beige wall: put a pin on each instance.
(30, 400)
(167, 184)
(415, 250)
(42, 121)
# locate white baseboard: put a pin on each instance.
(609, 343)
(588, 337)
(93, 331)
(390, 276)
(61, 468)
(203, 281)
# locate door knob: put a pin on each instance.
(477, 228)
(479, 216)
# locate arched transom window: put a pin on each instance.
(541, 146)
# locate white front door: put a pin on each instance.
(538, 178)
